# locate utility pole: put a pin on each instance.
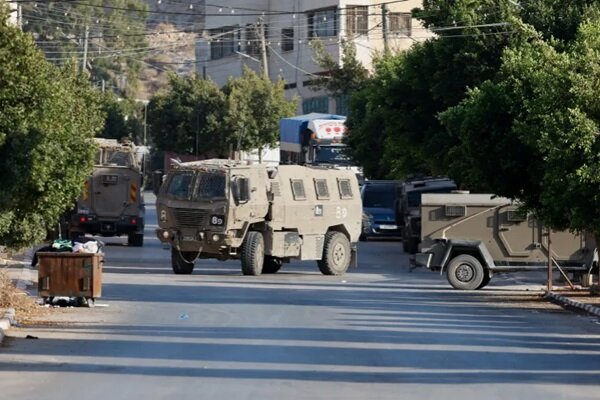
(20, 16)
(384, 27)
(263, 47)
(85, 48)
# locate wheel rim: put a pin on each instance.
(339, 254)
(465, 273)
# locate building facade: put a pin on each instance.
(234, 30)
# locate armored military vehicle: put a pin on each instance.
(473, 236)
(112, 202)
(409, 213)
(264, 216)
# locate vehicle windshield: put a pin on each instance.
(180, 186)
(210, 186)
(379, 196)
(331, 155)
(414, 198)
(118, 158)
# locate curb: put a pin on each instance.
(6, 322)
(565, 301)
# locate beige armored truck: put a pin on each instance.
(473, 236)
(112, 202)
(264, 216)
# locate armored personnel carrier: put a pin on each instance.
(264, 216)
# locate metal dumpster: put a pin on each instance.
(70, 275)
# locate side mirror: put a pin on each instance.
(241, 189)
(157, 180)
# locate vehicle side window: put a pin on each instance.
(345, 189)
(321, 189)
(298, 189)
(179, 186)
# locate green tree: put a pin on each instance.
(541, 119)
(47, 121)
(124, 118)
(255, 106)
(407, 91)
(188, 117)
(340, 78)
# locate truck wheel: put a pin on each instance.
(135, 239)
(336, 254)
(486, 279)
(180, 263)
(253, 253)
(465, 272)
(271, 265)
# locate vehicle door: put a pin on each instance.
(517, 232)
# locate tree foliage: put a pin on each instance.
(541, 115)
(194, 116)
(188, 117)
(504, 99)
(47, 121)
(254, 107)
(340, 78)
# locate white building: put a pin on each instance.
(232, 39)
(13, 17)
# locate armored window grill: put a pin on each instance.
(516, 215)
(298, 189)
(210, 186)
(275, 189)
(345, 189)
(321, 189)
(455, 211)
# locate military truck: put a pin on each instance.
(112, 202)
(409, 212)
(264, 216)
(473, 236)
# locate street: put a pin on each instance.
(378, 332)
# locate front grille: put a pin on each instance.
(186, 217)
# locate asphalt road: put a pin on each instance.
(378, 332)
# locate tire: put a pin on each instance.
(486, 279)
(465, 272)
(135, 239)
(180, 263)
(253, 253)
(336, 254)
(271, 265)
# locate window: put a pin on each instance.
(401, 23)
(322, 23)
(341, 104)
(221, 44)
(315, 104)
(298, 189)
(321, 189)
(179, 186)
(345, 189)
(210, 186)
(287, 39)
(519, 215)
(357, 20)
(455, 211)
(379, 196)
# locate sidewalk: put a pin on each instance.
(578, 299)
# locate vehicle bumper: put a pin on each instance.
(107, 227)
(423, 259)
(382, 230)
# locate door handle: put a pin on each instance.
(503, 229)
